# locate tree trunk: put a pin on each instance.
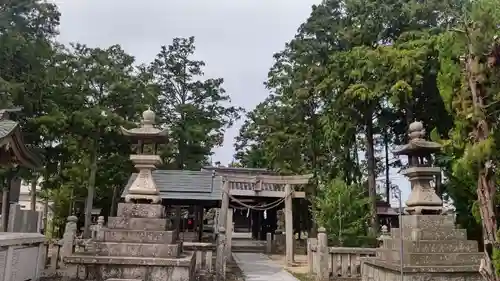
(372, 184)
(90, 192)
(46, 217)
(112, 211)
(33, 193)
(485, 182)
(387, 169)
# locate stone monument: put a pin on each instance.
(431, 247)
(136, 244)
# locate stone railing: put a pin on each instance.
(336, 262)
(203, 254)
(22, 256)
(53, 255)
(56, 250)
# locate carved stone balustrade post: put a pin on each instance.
(69, 236)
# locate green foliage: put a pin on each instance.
(197, 112)
(342, 211)
(75, 98)
(349, 82)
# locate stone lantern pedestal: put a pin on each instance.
(422, 198)
(144, 187)
(433, 249)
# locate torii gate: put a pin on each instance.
(263, 186)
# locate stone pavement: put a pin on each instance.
(258, 267)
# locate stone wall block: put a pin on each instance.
(130, 210)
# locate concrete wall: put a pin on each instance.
(24, 220)
(22, 256)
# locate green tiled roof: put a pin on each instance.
(189, 185)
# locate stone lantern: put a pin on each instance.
(427, 246)
(423, 199)
(144, 189)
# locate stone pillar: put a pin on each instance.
(279, 237)
(269, 243)
(289, 225)
(220, 259)
(280, 224)
(98, 226)
(229, 233)
(69, 237)
(15, 222)
(384, 235)
(311, 243)
(322, 256)
(224, 204)
(40, 265)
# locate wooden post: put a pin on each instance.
(177, 222)
(323, 256)
(229, 233)
(255, 224)
(196, 222)
(6, 204)
(200, 218)
(289, 257)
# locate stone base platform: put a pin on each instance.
(101, 268)
(431, 249)
(135, 245)
(375, 270)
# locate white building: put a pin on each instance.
(25, 199)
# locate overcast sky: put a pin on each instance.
(235, 38)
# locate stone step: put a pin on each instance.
(186, 260)
(120, 279)
(132, 210)
(88, 267)
(135, 236)
(430, 259)
(427, 259)
(433, 246)
(428, 221)
(248, 249)
(137, 223)
(137, 249)
(416, 234)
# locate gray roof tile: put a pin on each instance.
(6, 127)
(179, 184)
